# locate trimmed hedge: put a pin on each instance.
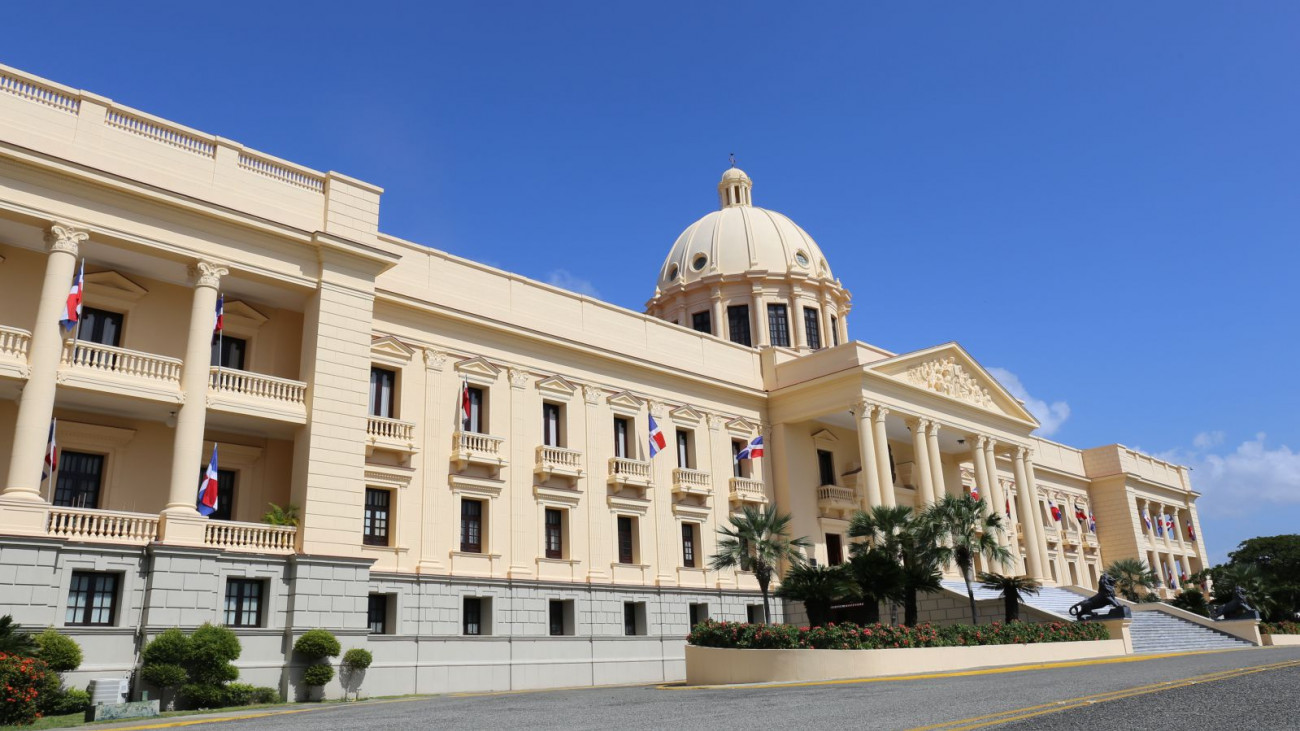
(739, 635)
(1279, 628)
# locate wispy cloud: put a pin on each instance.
(1050, 416)
(565, 279)
(1252, 477)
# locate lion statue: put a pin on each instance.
(1103, 599)
(1238, 607)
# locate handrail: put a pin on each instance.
(102, 525)
(633, 468)
(559, 457)
(247, 383)
(382, 427)
(252, 537)
(14, 343)
(110, 359)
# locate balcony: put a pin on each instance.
(106, 368)
(836, 499)
(692, 482)
(557, 461)
(746, 490)
(102, 526)
(472, 448)
(243, 392)
(625, 472)
(249, 537)
(393, 434)
(13, 352)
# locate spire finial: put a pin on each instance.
(732, 157)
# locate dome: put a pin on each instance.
(741, 238)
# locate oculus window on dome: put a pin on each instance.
(699, 261)
(801, 258)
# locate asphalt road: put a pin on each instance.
(1252, 688)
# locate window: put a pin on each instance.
(697, 613)
(684, 449)
(244, 603)
(228, 352)
(560, 614)
(92, 599)
(738, 324)
(737, 469)
(225, 493)
(834, 549)
(689, 532)
(754, 613)
(375, 527)
(835, 330)
(702, 322)
(699, 261)
(778, 324)
(621, 431)
(826, 467)
(551, 425)
(79, 479)
(377, 614)
(633, 618)
(472, 616)
(383, 384)
(100, 326)
(626, 536)
(477, 421)
(554, 533)
(471, 526)
(812, 327)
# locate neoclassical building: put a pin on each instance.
(466, 450)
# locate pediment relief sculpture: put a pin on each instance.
(947, 377)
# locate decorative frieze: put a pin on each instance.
(947, 377)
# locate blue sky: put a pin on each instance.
(1099, 199)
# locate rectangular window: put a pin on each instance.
(688, 545)
(100, 326)
(80, 476)
(625, 538)
(835, 330)
(560, 613)
(621, 431)
(633, 618)
(737, 469)
(684, 449)
(778, 325)
(377, 614)
(697, 613)
(383, 386)
(738, 324)
(375, 527)
(812, 327)
(754, 613)
(244, 602)
(228, 352)
(92, 599)
(471, 526)
(551, 425)
(702, 322)
(472, 615)
(476, 423)
(225, 493)
(834, 549)
(554, 533)
(826, 467)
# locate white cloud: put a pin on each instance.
(1207, 439)
(1050, 416)
(1246, 479)
(565, 279)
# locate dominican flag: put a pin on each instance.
(1146, 518)
(1169, 573)
(1160, 525)
(1008, 507)
(208, 487)
(1080, 515)
(1191, 532)
(464, 405)
(219, 321)
(1092, 522)
(1169, 524)
(72, 309)
(1056, 511)
(657, 439)
(753, 450)
(1182, 573)
(51, 453)
(974, 492)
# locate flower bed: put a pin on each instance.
(739, 635)
(1279, 628)
(22, 680)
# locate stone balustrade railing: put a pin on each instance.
(484, 444)
(747, 489)
(107, 526)
(249, 537)
(120, 361)
(691, 480)
(552, 457)
(393, 430)
(14, 343)
(634, 469)
(256, 385)
(836, 493)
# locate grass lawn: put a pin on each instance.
(79, 719)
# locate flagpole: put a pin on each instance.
(76, 331)
(54, 463)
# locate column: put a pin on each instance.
(798, 337)
(759, 316)
(981, 469)
(719, 324)
(921, 462)
(882, 458)
(1173, 571)
(1142, 511)
(36, 404)
(997, 498)
(936, 461)
(187, 444)
(1029, 527)
(595, 492)
(1037, 518)
(867, 451)
(1178, 529)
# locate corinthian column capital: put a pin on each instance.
(207, 274)
(64, 237)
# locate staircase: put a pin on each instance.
(1049, 600)
(1160, 632)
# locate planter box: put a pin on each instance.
(719, 666)
(1282, 640)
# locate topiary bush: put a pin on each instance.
(22, 682)
(357, 659)
(200, 665)
(59, 651)
(194, 696)
(165, 659)
(317, 675)
(212, 649)
(317, 644)
(71, 700)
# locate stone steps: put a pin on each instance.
(1160, 632)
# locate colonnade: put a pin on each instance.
(1178, 546)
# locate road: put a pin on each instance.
(1252, 688)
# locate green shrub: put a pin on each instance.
(23, 680)
(1150, 598)
(263, 695)
(59, 651)
(212, 649)
(357, 659)
(239, 694)
(877, 636)
(71, 700)
(171, 647)
(1279, 628)
(194, 696)
(317, 675)
(165, 675)
(317, 644)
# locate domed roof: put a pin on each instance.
(741, 238)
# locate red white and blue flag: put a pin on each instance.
(51, 453)
(1080, 515)
(464, 405)
(72, 308)
(1056, 511)
(219, 320)
(208, 487)
(1146, 518)
(1092, 522)
(1182, 573)
(657, 439)
(974, 492)
(753, 450)
(1191, 532)
(1160, 525)
(1008, 507)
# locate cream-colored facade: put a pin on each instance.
(564, 519)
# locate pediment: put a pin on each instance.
(557, 386)
(624, 402)
(825, 436)
(390, 350)
(478, 371)
(112, 289)
(686, 415)
(238, 315)
(742, 427)
(949, 371)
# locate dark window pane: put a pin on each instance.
(472, 615)
(737, 468)
(683, 449)
(377, 614)
(835, 330)
(551, 425)
(225, 494)
(834, 550)
(620, 437)
(92, 599)
(228, 352)
(471, 526)
(754, 613)
(79, 478)
(826, 467)
(625, 539)
(557, 617)
(688, 545)
(476, 422)
(554, 533)
(100, 326)
(738, 324)
(778, 325)
(630, 625)
(702, 322)
(812, 327)
(374, 530)
(383, 384)
(243, 603)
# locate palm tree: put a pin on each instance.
(276, 515)
(756, 541)
(1012, 587)
(15, 641)
(878, 577)
(966, 530)
(1131, 575)
(817, 587)
(1247, 576)
(912, 543)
